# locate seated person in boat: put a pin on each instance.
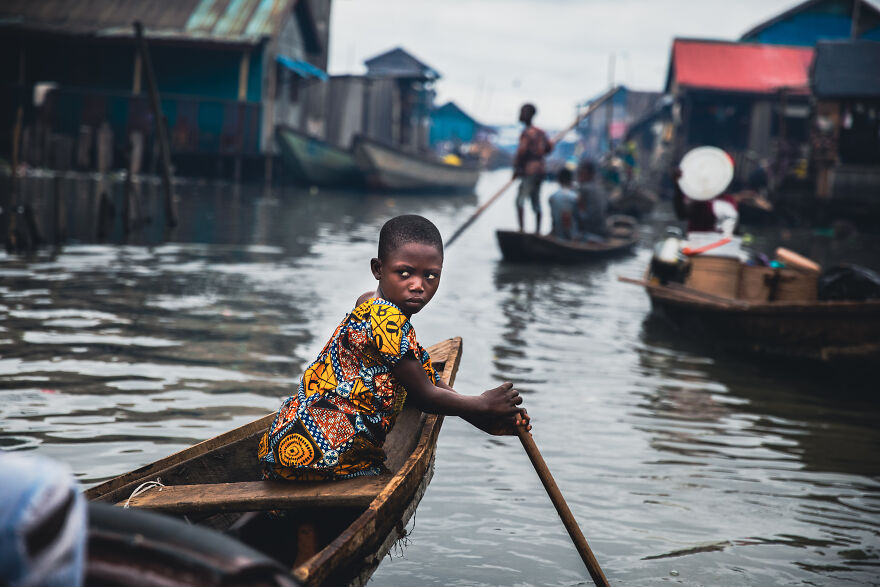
(564, 206)
(720, 214)
(348, 399)
(592, 203)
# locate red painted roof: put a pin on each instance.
(740, 67)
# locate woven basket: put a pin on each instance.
(715, 275)
(755, 283)
(796, 286)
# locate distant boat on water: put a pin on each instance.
(390, 168)
(369, 164)
(313, 161)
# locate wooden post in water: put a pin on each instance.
(13, 182)
(161, 129)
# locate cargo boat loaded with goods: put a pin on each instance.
(766, 310)
(217, 485)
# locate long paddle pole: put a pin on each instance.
(592, 108)
(565, 514)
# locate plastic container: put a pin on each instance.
(734, 248)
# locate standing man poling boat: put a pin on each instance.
(528, 164)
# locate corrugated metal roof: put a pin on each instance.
(399, 63)
(868, 15)
(235, 21)
(847, 70)
(739, 67)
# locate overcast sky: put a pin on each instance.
(496, 54)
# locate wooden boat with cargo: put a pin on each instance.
(529, 247)
(217, 484)
(825, 331)
(389, 168)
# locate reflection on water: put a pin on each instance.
(681, 464)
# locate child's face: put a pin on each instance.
(409, 276)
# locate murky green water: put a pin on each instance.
(681, 464)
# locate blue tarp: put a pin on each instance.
(302, 68)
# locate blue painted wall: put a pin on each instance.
(205, 72)
(822, 21)
(451, 125)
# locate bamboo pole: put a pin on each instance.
(592, 108)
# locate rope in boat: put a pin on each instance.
(143, 488)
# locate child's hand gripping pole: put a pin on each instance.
(565, 514)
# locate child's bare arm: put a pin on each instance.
(492, 411)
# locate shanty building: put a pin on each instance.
(812, 21)
(749, 99)
(605, 129)
(846, 123)
(227, 72)
(401, 99)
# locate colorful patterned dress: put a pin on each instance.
(347, 402)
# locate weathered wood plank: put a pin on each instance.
(260, 495)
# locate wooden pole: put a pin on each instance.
(12, 206)
(854, 29)
(565, 514)
(161, 129)
(592, 108)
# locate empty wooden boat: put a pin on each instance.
(392, 169)
(217, 484)
(313, 161)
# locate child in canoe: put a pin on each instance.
(350, 396)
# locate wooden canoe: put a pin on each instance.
(826, 331)
(388, 168)
(316, 162)
(529, 247)
(216, 484)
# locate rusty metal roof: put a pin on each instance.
(230, 21)
(739, 67)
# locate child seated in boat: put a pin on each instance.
(350, 396)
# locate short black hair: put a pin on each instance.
(564, 176)
(528, 109)
(408, 228)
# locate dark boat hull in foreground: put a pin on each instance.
(528, 247)
(216, 484)
(387, 168)
(825, 331)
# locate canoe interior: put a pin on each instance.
(350, 538)
(826, 331)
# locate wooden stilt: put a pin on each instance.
(161, 126)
